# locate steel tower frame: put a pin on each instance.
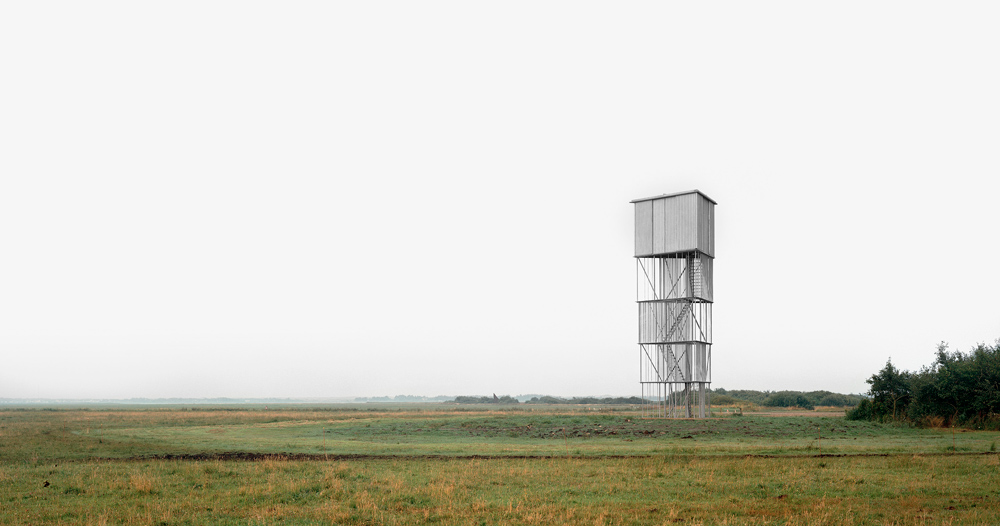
(674, 293)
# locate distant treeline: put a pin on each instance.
(151, 401)
(403, 399)
(505, 399)
(958, 388)
(803, 399)
(719, 397)
(584, 400)
(546, 400)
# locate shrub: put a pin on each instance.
(863, 411)
(788, 399)
(835, 400)
(958, 388)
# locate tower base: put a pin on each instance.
(675, 400)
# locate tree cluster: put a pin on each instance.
(957, 389)
(803, 399)
(505, 399)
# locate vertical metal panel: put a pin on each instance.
(702, 224)
(678, 227)
(700, 352)
(691, 226)
(670, 227)
(644, 228)
(703, 266)
(689, 209)
(708, 357)
(670, 322)
(711, 229)
(706, 226)
(676, 276)
(658, 234)
(695, 221)
(676, 363)
(685, 361)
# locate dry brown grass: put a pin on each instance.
(933, 422)
(901, 489)
(141, 483)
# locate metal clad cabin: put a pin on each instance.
(674, 251)
(673, 223)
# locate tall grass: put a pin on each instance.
(901, 489)
(96, 467)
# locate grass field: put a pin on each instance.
(468, 465)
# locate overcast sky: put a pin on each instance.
(325, 199)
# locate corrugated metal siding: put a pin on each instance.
(703, 232)
(676, 363)
(706, 278)
(676, 224)
(707, 369)
(679, 226)
(659, 239)
(711, 221)
(644, 228)
(675, 322)
(672, 277)
(706, 226)
(679, 223)
(691, 220)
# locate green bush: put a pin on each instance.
(958, 388)
(837, 400)
(862, 411)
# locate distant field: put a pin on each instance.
(367, 464)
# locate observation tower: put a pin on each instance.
(674, 251)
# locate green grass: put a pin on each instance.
(130, 433)
(417, 467)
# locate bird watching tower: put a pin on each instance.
(674, 251)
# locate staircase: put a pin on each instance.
(678, 321)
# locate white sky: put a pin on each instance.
(326, 199)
